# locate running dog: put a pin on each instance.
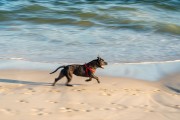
(86, 70)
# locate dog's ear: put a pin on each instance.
(98, 57)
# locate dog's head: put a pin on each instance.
(100, 62)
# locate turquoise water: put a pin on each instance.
(70, 31)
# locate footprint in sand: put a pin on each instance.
(7, 111)
(149, 110)
(140, 106)
(106, 92)
(128, 90)
(78, 90)
(40, 111)
(29, 91)
(137, 90)
(106, 109)
(119, 106)
(145, 107)
(23, 101)
(68, 109)
(173, 94)
(156, 90)
(134, 94)
(54, 91)
(176, 106)
(125, 89)
(111, 108)
(52, 101)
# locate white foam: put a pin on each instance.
(17, 59)
(155, 62)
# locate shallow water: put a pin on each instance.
(69, 31)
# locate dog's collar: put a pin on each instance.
(89, 69)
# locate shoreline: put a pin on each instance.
(28, 94)
(148, 71)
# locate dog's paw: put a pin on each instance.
(98, 82)
(87, 80)
(69, 85)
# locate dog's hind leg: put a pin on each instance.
(69, 78)
(68, 81)
(61, 75)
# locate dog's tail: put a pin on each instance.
(57, 69)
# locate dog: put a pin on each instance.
(86, 70)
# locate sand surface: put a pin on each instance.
(27, 95)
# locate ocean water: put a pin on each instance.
(76, 31)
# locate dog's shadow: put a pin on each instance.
(23, 82)
(32, 83)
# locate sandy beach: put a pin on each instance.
(139, 39)
(27, 94)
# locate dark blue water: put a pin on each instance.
(74, 31)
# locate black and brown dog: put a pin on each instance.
(86, 70)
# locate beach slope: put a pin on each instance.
(28, 94)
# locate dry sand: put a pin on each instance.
(27, 95)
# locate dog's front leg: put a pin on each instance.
(95, 77)
(89, 79)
